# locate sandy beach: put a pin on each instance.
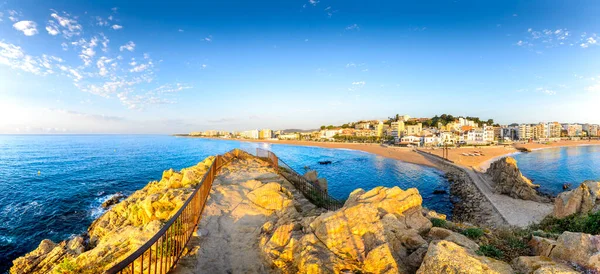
(486, 154)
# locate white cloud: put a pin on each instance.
(589, 41)
(29, 28)
(353, 27)
(130, 46)
(52, 30)
(16, 58)
(350, 65)
(313, 2)
(69, 26)
(180, 30)
(101, 22)
(360, 83)
(208, 39)
(117, 27)
(593, 88)
(140, 68)
(14, 15)
(204, 66)
(546, 91)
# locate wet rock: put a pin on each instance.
(115, 199)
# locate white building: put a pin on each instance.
(329, 133)
(250, 134)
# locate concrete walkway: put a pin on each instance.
(515, 212)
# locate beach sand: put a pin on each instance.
(489, 153)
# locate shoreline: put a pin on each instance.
(409, 155)
(398, 153)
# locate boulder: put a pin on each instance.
(541, 246)
(271, 196)
(457, 238)
(584, 199)
(580, 248)
(509, 181)
(322, 183)
(540, 265)
(311, 176)
(448, 257)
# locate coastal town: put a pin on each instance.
(406, 131)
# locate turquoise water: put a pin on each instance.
(553, 167)
(77, 173)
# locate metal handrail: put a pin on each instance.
(313, 192)
(171, 239)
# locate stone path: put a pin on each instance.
(233, 222)
(515, 212)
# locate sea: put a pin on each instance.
(52, 186)
(551, 168)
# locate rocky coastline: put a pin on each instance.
(125, 227)
(257, 222)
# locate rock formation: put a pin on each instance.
(312, 176)
(120, 231)
(448, 257)
(584, 199)
(509, 181)
(579, 249)
(384, 230)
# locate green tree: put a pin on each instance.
(323, 127)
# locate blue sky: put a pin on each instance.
(179, 66)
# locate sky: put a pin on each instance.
(167, 67)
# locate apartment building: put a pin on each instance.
(414, 130)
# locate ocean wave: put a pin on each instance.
(96, 209)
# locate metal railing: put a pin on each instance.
(313, 192)
(162, 252)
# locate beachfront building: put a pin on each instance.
(265, 134)
(397, 128)
(196, 133)
(362, 125)
(289, 136)
(329, 133)
(429, 141)
(250, 134)
(574, 130)
(410, 140)
(365, 133)
(414, 129)
(509, 133)
(554, 130)
(447, 138)
(592, 130)
(524, 132)
(488, 134)
(379, 129)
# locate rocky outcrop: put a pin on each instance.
(448, 257)
(579, 249)
(120, 231)
(509, 181)
(313, 177)
(540, 265)
(584, 199)
(113, 200)
(384, 230)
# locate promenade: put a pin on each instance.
(515, 212)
